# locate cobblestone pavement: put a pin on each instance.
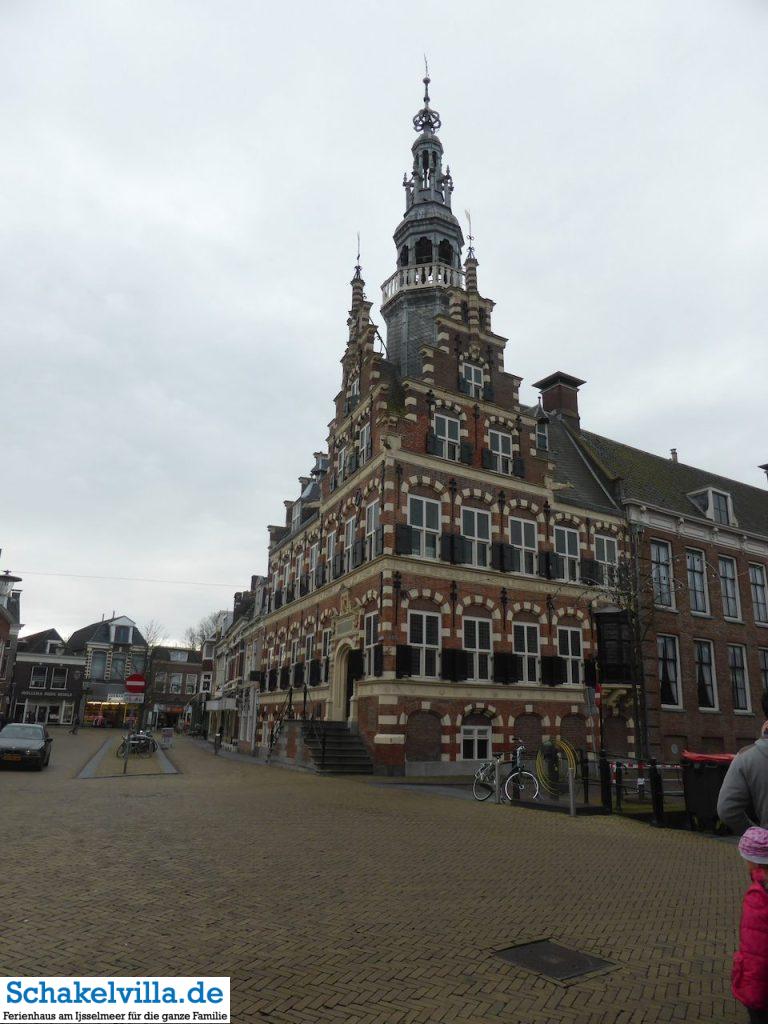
(334, 900)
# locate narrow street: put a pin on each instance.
(334, 899)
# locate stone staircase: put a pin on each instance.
(336, 750)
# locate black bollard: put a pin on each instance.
(619, 785)
(605, 783)
(585, 774)
(657, 795)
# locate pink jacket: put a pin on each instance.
(749, 977)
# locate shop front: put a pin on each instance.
(116, 709)
(48, 711)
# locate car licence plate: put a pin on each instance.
(11, 757)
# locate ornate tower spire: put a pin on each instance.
(428, 241)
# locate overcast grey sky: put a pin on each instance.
(180, 187)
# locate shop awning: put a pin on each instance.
(221, 704)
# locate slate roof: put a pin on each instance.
(98, 633)
(36, 643)
(584, 485)
(655, 480)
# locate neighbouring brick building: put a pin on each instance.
(700, 544)
(10, 624)
(47, 682)
(174, 682)
(114, 649)
(434, 584)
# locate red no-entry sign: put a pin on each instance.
(136, 683)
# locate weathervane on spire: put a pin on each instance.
(358, 268)
(427, 120)
(470, 236)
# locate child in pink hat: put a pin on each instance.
(749, 978)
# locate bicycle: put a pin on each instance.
(139, 744)
(484, 784)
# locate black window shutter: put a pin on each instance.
(486, 457)
(378, 541)
(403, 661)
(447, 547)
(448, 664)
(403, 539)
(497, 556)
(314, 672)
(512, 558)
(589, 570)
(516, 670)
(351, 463)
(284, 675)
(298, 674)
(488, 394)
(518, 467)
(614, 647)
(289, 593)
(501, 667)
(431, 442)
(462, 666)
(319, 575)
(378, 659)
(462, 550)
(358, 552)
(590, 672)
(553, 670)
(466, 452)
(338, 565)
(356, 664)
(545, 564)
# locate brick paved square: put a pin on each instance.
(335, 900)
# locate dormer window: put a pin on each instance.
(123, 634)
(542, 435)
(472, 380)
(354, 387)
(295, 515)
(715, 505)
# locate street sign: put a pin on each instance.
(135, 683)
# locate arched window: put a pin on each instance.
(404, 256)
(423, 251)
(445, 252)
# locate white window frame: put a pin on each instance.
(694, 571)
(529, 554)
(36, 685)
(676, 683)
(372, 524)
(354, 386)
(759, 592)
(309, 647)
(295, 515)
(481, 546)
(564, 535)
(370, 640)
(341, 463)
(745, 670)
(286, 574)
(67, 712)
(364, 440)
(501, 460)
(698, 643)
(190, 680)
(429, 654)
(662, 576)
(542, 436)
(531, 658)
(325, 664)
(295, 646)
(447, 447)
(729, 588)
(54, 670)
(350, 529)
(473, 375)
(570, 640)
(762, 663)
(426, 535)
(480, 652)
(176, 687)
(475, 734)
(330, 555)
(314, 556)
(205, 683)
(609, 564)
(299, 569)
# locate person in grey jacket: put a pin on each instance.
(743, 799)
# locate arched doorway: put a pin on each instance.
(615, 739)
(528, 731)
(573, 729)
(343, 687)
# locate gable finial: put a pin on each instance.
(427, 120)
(470, 236)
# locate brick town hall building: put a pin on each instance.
(436, 584)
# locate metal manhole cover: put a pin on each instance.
(552, 960)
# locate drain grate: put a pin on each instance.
(552, 960)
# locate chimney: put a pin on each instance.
(673, 454)
(560, 394)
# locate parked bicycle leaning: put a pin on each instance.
(519, 784)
